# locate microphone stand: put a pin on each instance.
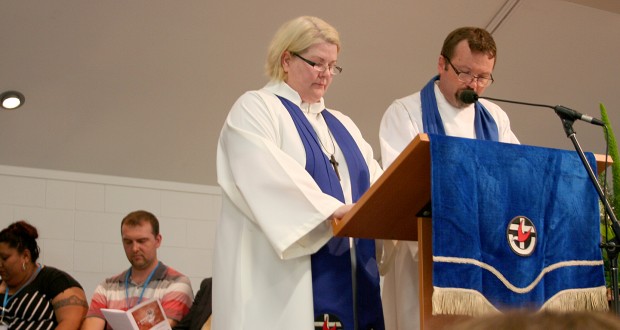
(613, 246)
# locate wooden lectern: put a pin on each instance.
(397, 207)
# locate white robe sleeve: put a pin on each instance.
(396, 131)
(270, 185)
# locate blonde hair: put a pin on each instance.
(296, 36)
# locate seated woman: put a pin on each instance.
(35, 296)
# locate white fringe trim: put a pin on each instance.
(456, 301)
(590, 299)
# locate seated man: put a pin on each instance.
(146, 278)
(199, 317)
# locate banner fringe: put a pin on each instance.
(456, 301)
(588, 299)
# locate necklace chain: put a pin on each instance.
(331, 138)
(332, 159)
(307, 111)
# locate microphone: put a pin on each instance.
(468, 96)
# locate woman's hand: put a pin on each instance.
(340, 212)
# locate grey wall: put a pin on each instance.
(140, 88)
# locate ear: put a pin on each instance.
(158, 239)
(285, 60)
(441, 64)
(27, 256)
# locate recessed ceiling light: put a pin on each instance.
(11, 100)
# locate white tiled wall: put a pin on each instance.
(78, 217)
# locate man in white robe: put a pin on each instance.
(467, 61)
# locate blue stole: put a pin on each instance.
(332, 289)
(484, 124)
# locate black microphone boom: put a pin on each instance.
(563, 111)
(468, 96)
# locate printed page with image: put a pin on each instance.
(148, 315)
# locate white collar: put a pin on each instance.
(281, 88)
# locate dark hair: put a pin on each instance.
(479, 40)
(21, 236)
(137, 218)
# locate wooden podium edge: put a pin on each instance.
(600, 162)
(388, 210)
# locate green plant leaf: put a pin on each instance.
(615, 166)
(614, 199)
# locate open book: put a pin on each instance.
(144, 316)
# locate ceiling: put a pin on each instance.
(606, 5)
(141, 88)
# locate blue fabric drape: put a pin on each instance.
(484, 124)
(331, 265)
(479, 186)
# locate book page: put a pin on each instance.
(150, 315)
(118, 319)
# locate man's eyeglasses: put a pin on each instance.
(333, 69)
(467, 77)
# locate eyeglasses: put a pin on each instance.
(467, 77)
(333, 69)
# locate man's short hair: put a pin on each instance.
(479, 40)
(136, 218)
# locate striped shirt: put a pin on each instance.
(32, 307)
(173, 289)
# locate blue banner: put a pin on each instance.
(513, 227)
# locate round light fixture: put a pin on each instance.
(11, 100)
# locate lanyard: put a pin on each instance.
(146, 283)
(6, 294)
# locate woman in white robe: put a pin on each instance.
(274, 214)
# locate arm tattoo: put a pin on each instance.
(71, 301)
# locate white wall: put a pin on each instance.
(78, 217)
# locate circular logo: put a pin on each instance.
(521, 235)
